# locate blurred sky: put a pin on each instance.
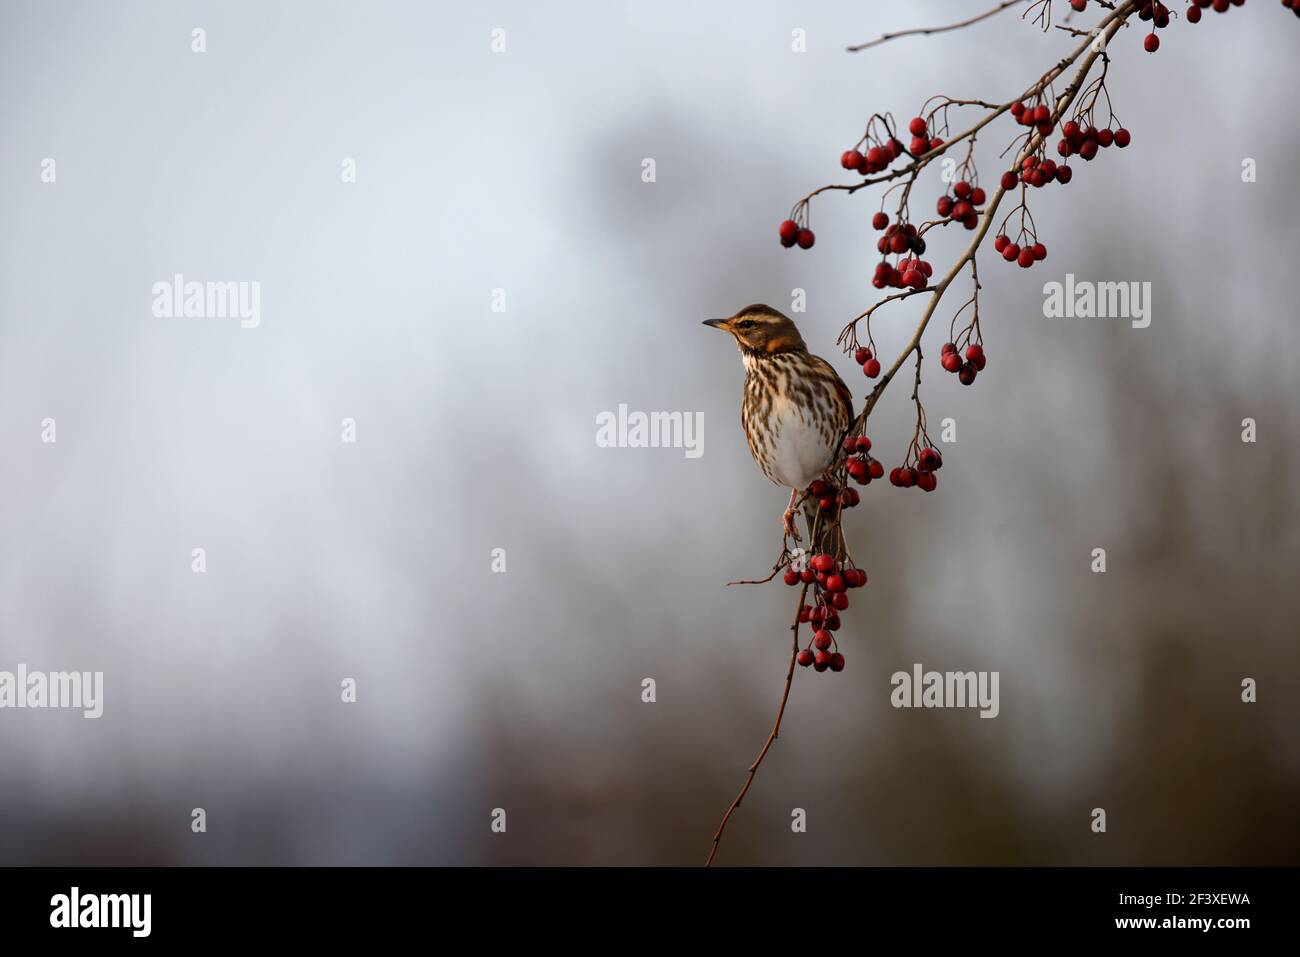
(475, 430)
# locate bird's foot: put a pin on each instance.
(788, 528)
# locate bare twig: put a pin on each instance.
(926, 31)
(813, 532)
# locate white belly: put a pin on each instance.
(799, 452)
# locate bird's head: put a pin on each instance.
(762, 330)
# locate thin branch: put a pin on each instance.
(813, 533)
(926, 31)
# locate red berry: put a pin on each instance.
(837, 662)
(835, 583)
(805, 658)
(863, 443)
(791, 576)
(862, 355)
(927, 481)
(967, 374)
(918, 146)
(822, 660)
(789, 232)
(1123, 137)
(822, 640)
(875, 469)
(1151, 43)
(805, 239)
(1105, 137)
(951, 362)
(1010, 251)
(1194, 13)
(978, 196)
(871, 368)
(974, 351)
(944, 206)
(917, 126)
(879, 221)
(1064, 174)
(851, 159)
(840, 600)
(1001, 243)
(1009, 180)
(822, 562)
(907, 476)
(1040, 252)
(1026, 258)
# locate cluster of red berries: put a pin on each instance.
(1038, 116)
(965, 369)
(792, 233)
(905, 274)
(870, 364)
(1084, 141)
(862, 468)
(922, 141)
(1037, 173)
(921, 475)
(899, 238)
(831, 581)
(1221, 6)
(875, 160)
(1158, 14)
(960, 207)
(1025, 255)
(829, 497)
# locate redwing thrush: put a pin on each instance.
(795, 409)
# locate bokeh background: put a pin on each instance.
(522, 171)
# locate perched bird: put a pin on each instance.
(795, 408)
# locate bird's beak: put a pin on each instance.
(717, 323)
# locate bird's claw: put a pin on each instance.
(788, 528)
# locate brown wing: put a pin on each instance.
(841, 390)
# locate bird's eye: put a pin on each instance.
(746, 324)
